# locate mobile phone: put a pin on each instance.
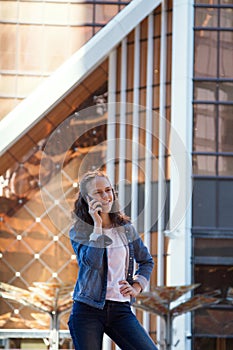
(91, 198)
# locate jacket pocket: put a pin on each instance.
(90, 284)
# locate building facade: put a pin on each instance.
(149, 98)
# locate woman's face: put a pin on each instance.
(100, 189)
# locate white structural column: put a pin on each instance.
(148, 150)
(111, 139)
(162, 164)
(111, 127)
(179, 249)
(135, 136)
(123, 122)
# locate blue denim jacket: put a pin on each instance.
(91, 285)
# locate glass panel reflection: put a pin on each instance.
(204, 165)
(206, 49)
(226, 91)
(214, 277)
(206, 17)
(33, 247)
(225, 128)
(205, 127)
(225, 166)
(205, 91)
(214, 322)
(226, 18)
(225, 54)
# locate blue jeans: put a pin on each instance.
(88, 324)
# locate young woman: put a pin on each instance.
(106, 245)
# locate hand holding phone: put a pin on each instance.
(95, 208)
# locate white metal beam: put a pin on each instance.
(148, 146)
(179, 249)
(122, 141)
(111, 126)
(135, 126)
(161, 162)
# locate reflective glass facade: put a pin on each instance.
(36, 37)
(212, 170)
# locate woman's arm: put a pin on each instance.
(144, 260)
(89, 252)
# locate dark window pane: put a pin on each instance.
(213, 278)
(214, 322)
(204, 128)
(204, 343)
(205, 60)
(225, 54)
(215, 343)
(226, 203)
(204, 203)
(225, 128)
(213, 247)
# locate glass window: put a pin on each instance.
(226, 18)
(9, 10)
(204, 127)
(8, 46)
(205, 91)
(225, 201)
(55, 13)
(80, 14)
(217, 320)
(225, 54)
(31, 12)
(225, 166)
(205, 60)
(213, 343)
(204, 203)
(105, 12)
(8, 85)
(206, 17)
(7, 104)
(204, 165)
(213, 247)
(226, 2)
(226, 91)
(214, 322)
(206, 2)
(225, 130)
(213, 156)
(31, 38)
(213, 278)
(212, 203)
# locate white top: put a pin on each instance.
(117, 255)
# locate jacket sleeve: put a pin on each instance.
(89, 253)
(143, 259)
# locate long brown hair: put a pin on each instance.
(83, 219)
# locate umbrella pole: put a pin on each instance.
(168, 321)
(54, 333)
